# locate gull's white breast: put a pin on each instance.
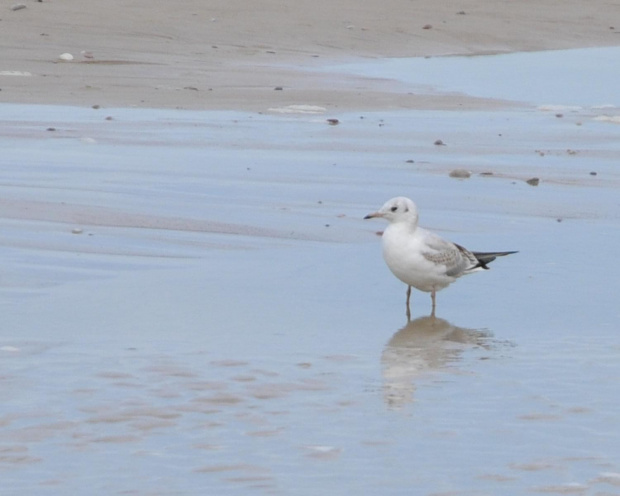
(403, 252)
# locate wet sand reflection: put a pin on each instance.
(421, 346)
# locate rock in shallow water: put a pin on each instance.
(460, 173)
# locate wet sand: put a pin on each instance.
(196, 295)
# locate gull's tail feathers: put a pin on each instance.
(488, 257)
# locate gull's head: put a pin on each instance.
(399, 209)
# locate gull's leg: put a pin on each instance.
(433, 300)
(408, 299)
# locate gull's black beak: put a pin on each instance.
(372, 216)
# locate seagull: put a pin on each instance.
(420, 258)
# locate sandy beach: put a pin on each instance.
(192, 302)
(234, 54)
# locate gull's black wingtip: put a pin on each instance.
(487, 257)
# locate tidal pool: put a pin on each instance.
(578, 77)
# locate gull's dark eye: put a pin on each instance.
(394, 209)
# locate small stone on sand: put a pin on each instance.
(460, 173)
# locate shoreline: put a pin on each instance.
(231, 56)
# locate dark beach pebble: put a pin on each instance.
(460, 173)
(533, 181)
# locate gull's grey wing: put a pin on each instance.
(458, 260)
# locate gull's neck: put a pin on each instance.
(408, 223)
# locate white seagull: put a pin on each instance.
(420, 258)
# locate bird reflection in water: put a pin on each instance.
(424, 345)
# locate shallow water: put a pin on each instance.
(579, 77)
(193, 304)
